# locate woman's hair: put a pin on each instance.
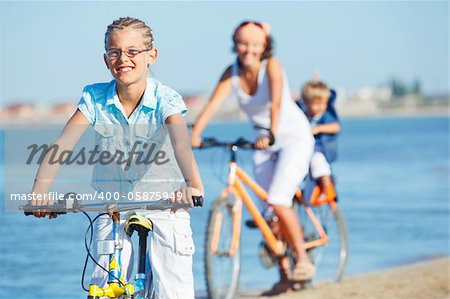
(315, 89)
(132, 23)
(268, 51)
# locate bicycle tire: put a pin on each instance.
(330, 260)
(221, 270)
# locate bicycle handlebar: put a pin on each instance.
(72, 205)
(239, 143)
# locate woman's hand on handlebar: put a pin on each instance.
(262, 143)
(196, 140)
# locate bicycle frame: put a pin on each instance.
(237, 178)
(117, 285)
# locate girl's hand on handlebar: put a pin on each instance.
(42, 199)
(184, 196)
(262, 142)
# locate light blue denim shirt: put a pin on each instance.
(100, 104)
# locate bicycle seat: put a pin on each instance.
(139, 224)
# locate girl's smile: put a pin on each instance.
(131, 57)
(124, 69)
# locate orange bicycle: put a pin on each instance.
(322, 222)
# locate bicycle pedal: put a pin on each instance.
(250, 224)
(269, 218)
(298, 286)
(267, 259)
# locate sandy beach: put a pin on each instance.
(425, 280)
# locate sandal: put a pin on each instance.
(303, 271)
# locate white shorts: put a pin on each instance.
(171, 248)
(319, 166)
(281, 170)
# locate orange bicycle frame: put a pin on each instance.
(237, 178)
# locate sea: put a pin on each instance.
(392, 178)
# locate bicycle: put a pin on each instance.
(222, 240)
(117, 286)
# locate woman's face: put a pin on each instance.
(250, 44)
(129, 70)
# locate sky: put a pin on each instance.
(51, 50)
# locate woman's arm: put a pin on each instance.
(275, 75)
(219, 95)
(66, 141)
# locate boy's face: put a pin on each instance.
(316, 106)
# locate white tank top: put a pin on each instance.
(293, 124)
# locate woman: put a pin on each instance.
(282, 133)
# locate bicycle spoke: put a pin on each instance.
(330, 259)
(222, 268)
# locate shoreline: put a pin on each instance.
(44, 116)
(428, 279)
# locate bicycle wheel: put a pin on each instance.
(331, 259)
(221, 268)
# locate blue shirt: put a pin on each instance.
(114, 132)
(100, 104)
(325, 143)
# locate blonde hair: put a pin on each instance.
(315, 90)
(133, 23)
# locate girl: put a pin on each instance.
(133, 98)
(263, 93)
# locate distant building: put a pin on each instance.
(63, 110)
(358, 102)
(20, 111)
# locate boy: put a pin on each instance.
(318, 105)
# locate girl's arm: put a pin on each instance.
(179, 137)
(275, 75)
(66, 141)
(219, 95)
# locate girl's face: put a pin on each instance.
(250, 44)
(129, 70)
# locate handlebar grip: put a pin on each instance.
(58, 208)
(31, 213)
(244, 143)
(208, 142)
(198, 201)
(272, 138)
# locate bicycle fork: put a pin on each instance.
(117, 285)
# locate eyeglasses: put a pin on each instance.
(131, 52)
